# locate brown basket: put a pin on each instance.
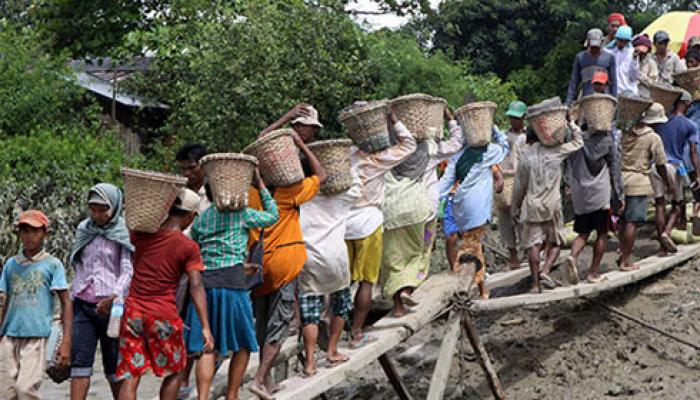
(666, 95)
(334, 156)
(278, 158)
(366, 123)
(477, 121)
(503, 199)
(229, 176)
(148, 197)
(630, 110)
(422, 114)
(549, 124)
(690, 81)
(599, 111)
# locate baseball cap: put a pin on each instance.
(34, 218)
(311, 119)
(594, 38)
(693, 41)
(661, 36)
(516, 109)
(656, 114)
(624, 33)
(685, 96)
(600, 77)
(189, 201)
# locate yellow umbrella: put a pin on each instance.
(680, 26)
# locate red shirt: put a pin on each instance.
(160, 259)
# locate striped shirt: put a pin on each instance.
(105, 268)
(223, 236)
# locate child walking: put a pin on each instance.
(29, 281)
(101, 256)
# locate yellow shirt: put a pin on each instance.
(640, 147)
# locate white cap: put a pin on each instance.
(311, 119)
(189, 201)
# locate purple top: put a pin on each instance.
(104, 269)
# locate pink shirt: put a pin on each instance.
(105, 268)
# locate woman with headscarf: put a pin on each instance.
(467, 186)
(102, 258)
(410, 208)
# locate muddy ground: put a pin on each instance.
(570, 350)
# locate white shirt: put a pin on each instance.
(627, 68)
(203, 205)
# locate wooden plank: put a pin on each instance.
(509, 278)
(448, 347)
(433, 296)
(647, 267)
(394, 377)
(483, 356)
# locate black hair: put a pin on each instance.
(531, 136)
(191, 152)
(692, 54)
(175, 211)
(209, 192)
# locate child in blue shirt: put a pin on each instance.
(28, 281)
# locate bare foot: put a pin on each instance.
(629, 267)
(513, 265)
(260, 391)
(484, 296)
(336, 359)
(535, 290)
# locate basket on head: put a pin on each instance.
(550, 124)
(690, 81)
(278, 158)
(477, 121)
(503, 200)
(229, 176)
(366, 123)
(599, 111)
(630, 110)
(148, 197)
(422, 114)
(666, 95)
(334, 156)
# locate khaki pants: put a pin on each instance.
(22, 367)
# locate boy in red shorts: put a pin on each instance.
(151, 334)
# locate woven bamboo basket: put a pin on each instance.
(477, 121)
(422, 114)
(366, 123)
(334, 156)
(690, 81)
(666, 95)
(549, 124)
(148, 197)
(278, 158)
(503, 200)
(599, 111)
(630, 110)
(230, 176)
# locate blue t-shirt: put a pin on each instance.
(693, 114)
(676, 134)
(29, 297)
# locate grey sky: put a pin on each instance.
(381, 21)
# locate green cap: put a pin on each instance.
(516, 109)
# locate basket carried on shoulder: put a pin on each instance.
(690, 81)
(503, 200)
(599, 111)
(366, 123)
(230, 176)
(477, 121)
(666, 95)
(334, 156)
(549, 124)
(630, 110)
(278, 158)
(422, 114)
(148, 197)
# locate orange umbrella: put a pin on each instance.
(680, 25)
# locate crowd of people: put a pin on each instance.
(213, 284)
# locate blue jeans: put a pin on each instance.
(88, 328)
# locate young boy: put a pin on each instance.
(537, 204)
(364, 226)
(284, 258)
(28, 281)
(151, 334)
(640, 147)
(304, 120)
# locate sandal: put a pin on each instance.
(261, 392)
(599, 279)
(334, 363)
(571, 271)
(408, 300)
(668, 243)
(184, 392)
(364, 341)
(547, 282)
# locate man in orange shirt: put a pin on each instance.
(284, 258)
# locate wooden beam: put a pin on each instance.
(483, 356)
(647, 267)
(394, 377)
(441, 374)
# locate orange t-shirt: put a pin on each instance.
(285, 253)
